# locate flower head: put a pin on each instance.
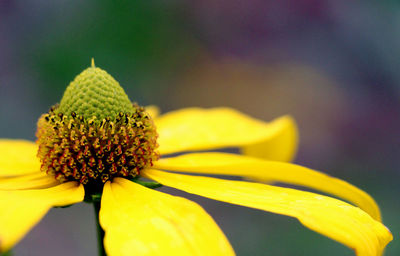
(96, 133)
(97, 146)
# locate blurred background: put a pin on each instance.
(332, 64)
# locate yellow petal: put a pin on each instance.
(141, 221)
(333, 218)
(18, 157)
(281, 145)
(264, 170)
(28, 181)
(153, 111)
(22, 209)
(202, 129)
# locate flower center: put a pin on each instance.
(94, 135)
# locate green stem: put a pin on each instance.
(7, 253)
(100, 231)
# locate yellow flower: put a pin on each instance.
(138, 220)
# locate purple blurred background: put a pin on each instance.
(331, 64)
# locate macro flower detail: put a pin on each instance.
(96, 146)
(95, 133)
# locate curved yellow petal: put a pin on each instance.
(28, 181)
(22, 209)
(264, 170)
(281, 145)
(141, 221)
(18, 157)
(201, 129)
(333, 218)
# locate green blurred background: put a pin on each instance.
(332, 64)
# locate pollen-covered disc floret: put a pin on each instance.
(96, 133)
(74, 148)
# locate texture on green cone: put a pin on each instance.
(95, 93)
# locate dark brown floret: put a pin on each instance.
(90, 151)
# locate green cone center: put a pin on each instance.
(94, 93)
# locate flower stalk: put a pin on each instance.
(100, 231)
